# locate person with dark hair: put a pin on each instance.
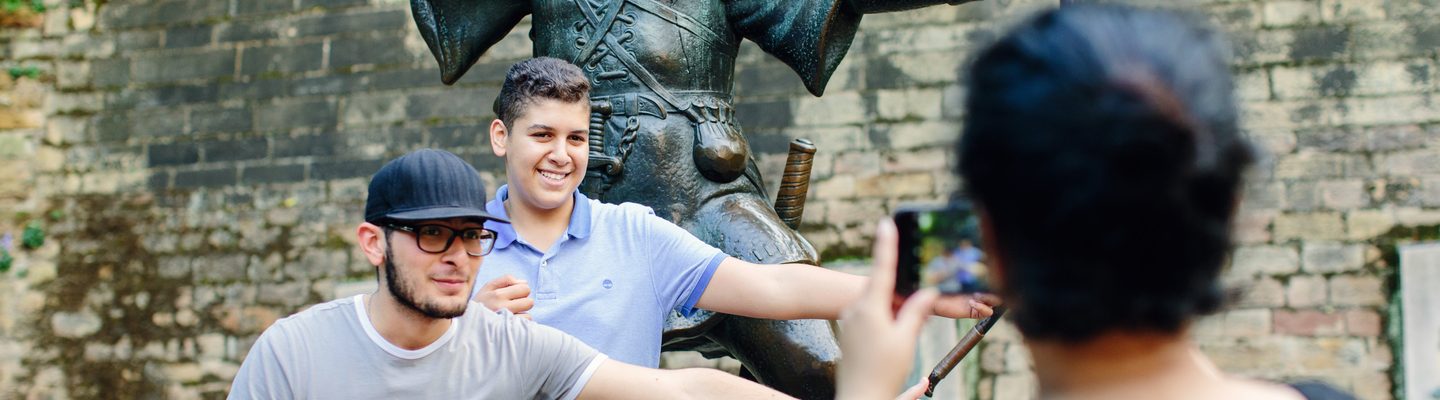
(610, 274)
(1103, 153)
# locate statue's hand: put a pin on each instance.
(974, 306)
(507, 292)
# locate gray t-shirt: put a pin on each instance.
(331, 351)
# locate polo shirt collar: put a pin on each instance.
(505, 233)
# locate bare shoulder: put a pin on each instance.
(1255, 389)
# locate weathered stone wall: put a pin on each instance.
(197, 168)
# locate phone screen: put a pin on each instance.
(940, 247)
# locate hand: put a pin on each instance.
(973, 306)
(507, 292)
(878, 346)
(914, 392)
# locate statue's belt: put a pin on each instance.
(720, 153)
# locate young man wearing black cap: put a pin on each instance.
(426, 232)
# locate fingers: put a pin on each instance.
(524, 315)
(913, 314)
(914, 392)
(513, 291)
(503, 281)
(885, 254)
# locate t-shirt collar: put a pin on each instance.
(505, 233)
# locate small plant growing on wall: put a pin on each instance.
(21, 13)
(33, 236)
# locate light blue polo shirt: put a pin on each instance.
(611, 279)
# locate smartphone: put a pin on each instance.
(940, 247)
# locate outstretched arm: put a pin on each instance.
(801, 291)
(618, 380)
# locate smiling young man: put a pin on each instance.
(426, 232)
(610, 274)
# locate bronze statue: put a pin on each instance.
(663, 132)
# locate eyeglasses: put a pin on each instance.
(437, 239)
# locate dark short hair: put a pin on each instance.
(1103, 142)
(539, 78)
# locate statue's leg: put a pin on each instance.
(797, 357)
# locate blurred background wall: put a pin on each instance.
(175, 175)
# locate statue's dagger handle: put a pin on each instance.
(958, 353)
(794, 185)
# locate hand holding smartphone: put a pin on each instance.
(940, 248)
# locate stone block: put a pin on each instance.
(841, 108)
(1264, 195)
(221, 268)
(220, 119)
(318, 145)
(907, 135)
(1308, 323)
(344, 169)
(163, 96)
(1307, 291)
(931, 159)
(75, 325)
(342, 23)
(1264, 260)
(857, 162)
(235, 150)
(1247, 323)
(1264, 292)
(907, 105)
(307, 4)
(1363, 322)
(374, 50)
(1357, 290)
(760, 115)
(158, 155)
(72, 75)
(1366, 224)
(1253, 85)
(902, 70)
(1396, 137)
(282, 59)
(188, 36)
(1322, 165)
(1326, 257)
(1316, 43)
(252, 30)
(210, 177)
(265, 174)
(1290, 12)
(252, 8)
(61, 130)
(173, 67)
(1311, 226)
(836, 187)
(1016, 386)
(448, 104)
(896, 185)
(384, 108)
(1252, 226)
(285, 115)
(1430, 191)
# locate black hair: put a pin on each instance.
(1103, 142)
(539, 78)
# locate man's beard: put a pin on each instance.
(404, 293)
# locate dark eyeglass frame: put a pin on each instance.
(487, 245)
